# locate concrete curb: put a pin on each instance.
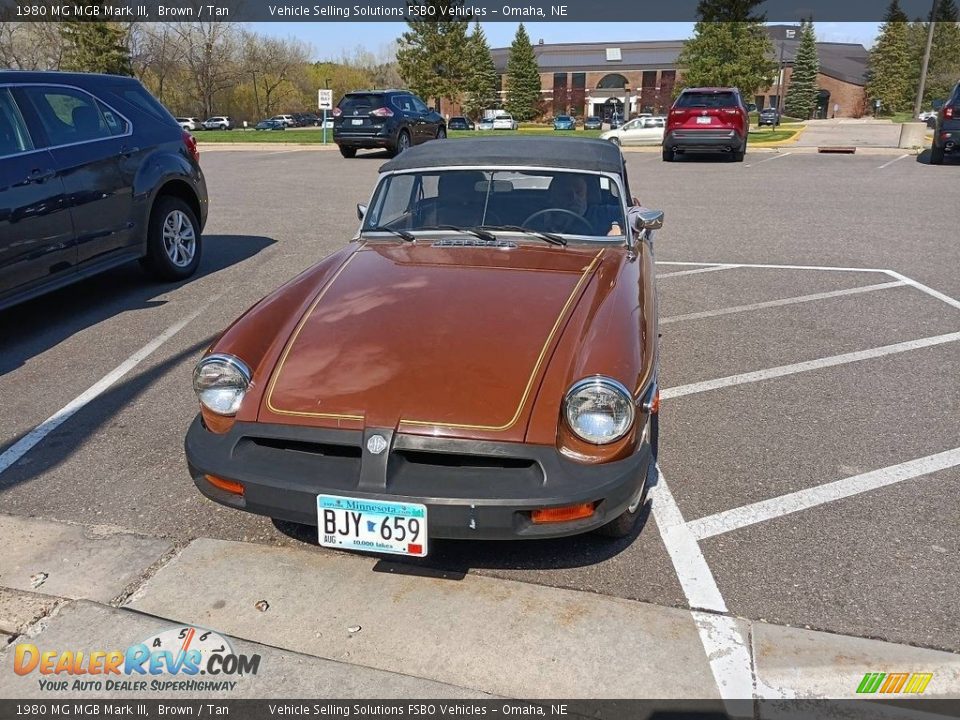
(372, 627)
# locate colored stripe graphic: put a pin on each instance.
(911, 683)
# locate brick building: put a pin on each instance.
(602, 78)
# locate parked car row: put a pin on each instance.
(225, 122)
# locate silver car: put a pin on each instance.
(218, 122)
(190, 123)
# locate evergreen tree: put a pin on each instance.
(523, 78)
(889, 68)
(727, 54)
(944, 68)
(729, 11)
(99, 47)
(801, 98)
(482, 81)
(895, 13)
(430, 56)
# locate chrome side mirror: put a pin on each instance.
(648, 220)
(361, 211)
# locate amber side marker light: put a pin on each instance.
(562, 514)
(231, 486)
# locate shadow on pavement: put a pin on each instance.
(35, 326)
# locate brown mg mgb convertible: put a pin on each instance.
(480, 361)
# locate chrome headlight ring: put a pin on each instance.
(599, 410)
(220, 382)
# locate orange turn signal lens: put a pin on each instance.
(231, 486)
(562, 514)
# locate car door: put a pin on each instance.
(411, 118)
(36, 233)
(629, 133)
(93, 150)
(429, 120)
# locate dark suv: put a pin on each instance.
(391, 119)
(710, 119)
(94, 172)
(946, 134)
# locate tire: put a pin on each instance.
(170, 256)
(615, 141)
(348, 152)
(624, 525)
(737, 155)
(668, 155)
(403, 142)
(936, 155)
(442, 134)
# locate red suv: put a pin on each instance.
(710, 119)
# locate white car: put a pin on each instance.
(485, 124)
(928, 115)
(639, 131)
(287, 120)
(190, 123)
(504, 122)
(218, 122)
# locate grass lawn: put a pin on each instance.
(526, 131)
(310, 135)
(766, 136)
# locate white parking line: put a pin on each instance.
(886, 164)
(20, 448)
(831, 268)
(953, 302)
(712, 268)
(727, 650)
(780, 303)
(757, 512)
(807, 366)
(775, 157)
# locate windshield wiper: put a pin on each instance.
(409, 237)
(476, 232)
(548, 237)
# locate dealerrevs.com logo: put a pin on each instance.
(185, 659)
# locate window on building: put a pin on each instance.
(758, 100)
(614, 81)
(560, 94)
(614, 55)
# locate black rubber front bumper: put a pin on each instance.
(472, 489)
(710, 140)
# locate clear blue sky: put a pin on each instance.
(332, 40)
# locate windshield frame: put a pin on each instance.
(627, 238)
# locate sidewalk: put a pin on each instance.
(350, 626)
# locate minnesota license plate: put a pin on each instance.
(372, 525)
(357, 122)
(703, 120)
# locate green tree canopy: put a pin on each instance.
(801, 98)
(895, 13)
(890, 68)
(430, 54)
(523, 78)
(482, 79)
(99, 47)
(730, 10)
(728, 54)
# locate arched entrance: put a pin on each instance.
(613, 81)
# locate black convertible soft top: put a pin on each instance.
(513, 150)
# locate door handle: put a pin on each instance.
(127, 150)
(39, 176)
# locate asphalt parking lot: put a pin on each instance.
(810, 448)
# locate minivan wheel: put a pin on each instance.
(173, 240)
(348, 152)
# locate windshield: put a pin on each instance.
(564, 203)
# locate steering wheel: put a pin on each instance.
(563, 211)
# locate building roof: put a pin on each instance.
(512, 151)
(843, 61)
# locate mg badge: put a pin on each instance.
(376, 444)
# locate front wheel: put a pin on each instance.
(173, 240)
(442, 134)
(615, 141)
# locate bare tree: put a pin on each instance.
(211, 51)
(273, 64)
(31, 46)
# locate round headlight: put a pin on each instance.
(599, 410)
(220, 382)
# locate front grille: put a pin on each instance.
(313, 448)
(461, 475)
